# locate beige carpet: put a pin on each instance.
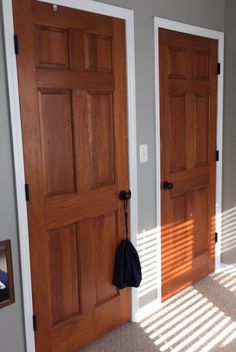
(200, 318)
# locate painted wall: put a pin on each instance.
(206, 13)
(229, 168)
(11, 320)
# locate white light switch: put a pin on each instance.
(143, 153)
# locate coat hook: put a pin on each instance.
(54, 7)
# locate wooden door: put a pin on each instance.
(72, 81)
(188, 96)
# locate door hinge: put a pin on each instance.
(217, 155)
(34, 322)
(216, 237)
(218, 68)
(16, 44)
(27, 192)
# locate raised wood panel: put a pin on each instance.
(97, 246)
(105, 228)
(201, 220)
(178, 132)
(104, 53)
(98, 52)
(87, 265)
(176, 239)
(180, 230)
(177, 63)
(200, 65)
(201, 130)
(101, 138)
(63, 259)
(52, 47)
(56, 124)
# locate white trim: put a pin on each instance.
(203, 32)
(19, 171)
(90, 6)
(147, 310)
(158, 158)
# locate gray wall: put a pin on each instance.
(206, 13)
(229, 169)
(11, 320)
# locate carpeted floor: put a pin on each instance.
(200, 318)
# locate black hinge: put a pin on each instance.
(34, 322)
(218, 68)
(27, 192)
(217, 155)
(216, 237)
(16, 44)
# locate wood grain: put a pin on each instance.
(57, 141)
(52, 50)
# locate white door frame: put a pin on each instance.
(203, 32)
(90, 6)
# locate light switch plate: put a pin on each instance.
(143, 153)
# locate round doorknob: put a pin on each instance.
(125, 195)
(167, 186)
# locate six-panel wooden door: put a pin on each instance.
(188, 96)
(72, 81)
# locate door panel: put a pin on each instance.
(53, 47)
(177, 67)
(72, 80)
(177, 132)
(105, 228)
(201, 215)
(101, 141)
(188, 89)
(98, 52)
(63, 258)
(201, 63)
(56, 122)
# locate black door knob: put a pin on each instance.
(167, 186)
(125, 195)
